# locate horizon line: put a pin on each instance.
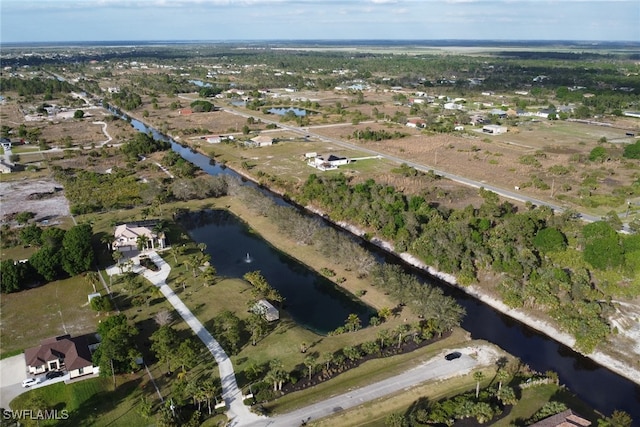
(315, 40)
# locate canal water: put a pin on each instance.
(599, 387)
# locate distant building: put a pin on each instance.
(330, 162)
(261, 141)
(494, 129)
(213, 139)
(416, 123)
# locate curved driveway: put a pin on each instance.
(237, 411)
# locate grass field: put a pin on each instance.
(90, 402)
(57, 308)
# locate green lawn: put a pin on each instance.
(56, 308)
(90, 402)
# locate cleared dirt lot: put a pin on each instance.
(42, 196)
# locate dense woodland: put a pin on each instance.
(539, 260)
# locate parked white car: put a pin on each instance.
(30, 381)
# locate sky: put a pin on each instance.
(231, 20)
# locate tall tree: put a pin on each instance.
(164, 342)
(77, 253)
(478, 376)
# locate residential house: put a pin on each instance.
(261, 141)
(566, 418)
(126, 236)
(61, 353)
(494, 129)
(5, 167)
(267, 310)
(329, 162)
(213, 139)
(416, 123)
(476, 119)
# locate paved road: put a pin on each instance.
(514, 195)
(435, 369)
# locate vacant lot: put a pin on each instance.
(57, 308)
(42, 196)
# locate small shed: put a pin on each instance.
(268, 311)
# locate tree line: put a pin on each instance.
(529, 251)
(60, 254)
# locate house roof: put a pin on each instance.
(566, 418)
(74, 351)
(262, 139)
(131, 231)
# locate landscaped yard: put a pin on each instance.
(91, 402)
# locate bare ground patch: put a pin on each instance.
(43, 196)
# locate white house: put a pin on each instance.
(213, 139)
(126, 237)
(261, 141)
(329, 162)
(494, 129)
(415, 123)
(58, 353)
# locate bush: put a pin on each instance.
(101, 303)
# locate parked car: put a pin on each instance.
(453, 356)
(30, 381)
(54, 374)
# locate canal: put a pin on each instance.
(598, 386)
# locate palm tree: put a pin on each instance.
(107, 240)
(277, 375)
(209, 390)
(93, 279)
(384, 313)
(501, 376)
(478, 376)
(142, 242)
(117, 256)
(383, 335)
(328, 358)
(310, 363)
(209, 275)
(353, 323)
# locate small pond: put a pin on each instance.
(282, 111)
(312, 301)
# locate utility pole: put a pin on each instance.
(553, 184)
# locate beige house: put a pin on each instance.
(61, 353)
(261, 141)
(126, 237)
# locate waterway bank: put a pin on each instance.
(615, 391)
